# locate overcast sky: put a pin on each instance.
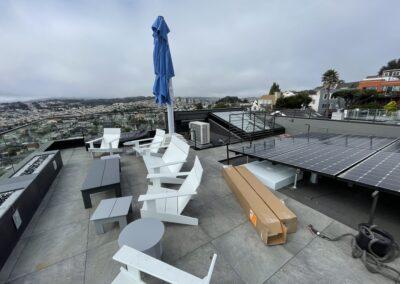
(103, 49)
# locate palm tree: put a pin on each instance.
(329, 80)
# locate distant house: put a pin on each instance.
(323, 102)
(391, 73)
(265, 102)
(286, 94)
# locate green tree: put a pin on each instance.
(349, 96)
(293, 102)
(391, 106)
(329, 79)
(274, 88)
(199, 106)
(220, 105)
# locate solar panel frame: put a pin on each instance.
(394, 147)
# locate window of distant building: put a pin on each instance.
(396, 73)
(386, 74)
(326, 96)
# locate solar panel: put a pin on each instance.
(359, 141)
(381, 170)
(395, 147)
(276, 146)
(267, 148)
(322, 158)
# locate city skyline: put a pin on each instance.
(63, 49)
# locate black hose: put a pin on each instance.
(373, 246)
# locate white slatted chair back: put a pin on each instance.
(190, 185)
(157, 141)
(110, 135)
(178, 150)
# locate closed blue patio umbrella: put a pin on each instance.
(163, 69)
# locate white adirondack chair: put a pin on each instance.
(137, 261)
(109, 142)
(169, 163)
(155, 143)
(167, 204)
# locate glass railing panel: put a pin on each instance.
(17, 144)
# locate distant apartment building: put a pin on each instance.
(389, 82)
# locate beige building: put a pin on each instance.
(265, 102)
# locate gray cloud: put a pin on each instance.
(104, 48)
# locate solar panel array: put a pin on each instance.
(324, 159)
(381, 170)
(367, 160)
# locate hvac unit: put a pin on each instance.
(199, 131)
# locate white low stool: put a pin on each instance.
(112, 210)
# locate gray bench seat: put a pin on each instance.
(103, 175)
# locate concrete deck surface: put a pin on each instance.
(60, 244)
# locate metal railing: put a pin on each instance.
(373, 115)
(248, 126)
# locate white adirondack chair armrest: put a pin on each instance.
(147, 197)
(94, 140)
(133, 142)
(152, 145)
(163, 175)
(207, 279)
(91, 146)
(167, 164)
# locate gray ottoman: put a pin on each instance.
(144, 235)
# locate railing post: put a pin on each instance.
(242, 120)
(227, 154)
(265, 117)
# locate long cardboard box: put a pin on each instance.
(284, 214)
(266, 223)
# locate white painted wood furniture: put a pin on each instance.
(137, 261)
(170, 162)
(167, 204)
(109, 142)
(153, 146)
(112, 210)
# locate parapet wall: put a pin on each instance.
(294, 125)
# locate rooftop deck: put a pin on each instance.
(61, 245)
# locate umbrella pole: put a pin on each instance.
(170, 110)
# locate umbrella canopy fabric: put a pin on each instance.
(163, 68)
